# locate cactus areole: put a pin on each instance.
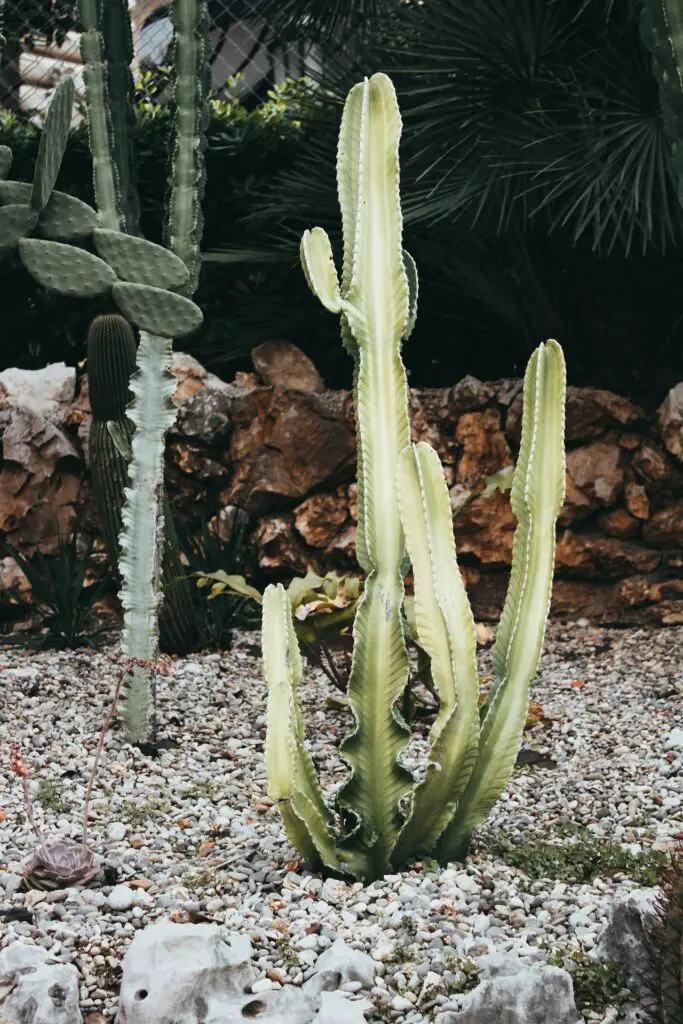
(383, 816)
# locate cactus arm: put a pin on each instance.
(536, 498)
(445, 631)
(413, 289)
(291, 774)
(141, 539)
(185, 222)
(118, 53)
(318, 264)
(376, 307)
(105, 177)
(662, 32)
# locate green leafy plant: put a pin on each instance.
(386, 816)
(207, 548)
(59, 591)
(596, 985)
(662, 973)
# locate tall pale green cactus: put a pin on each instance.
(386, 816)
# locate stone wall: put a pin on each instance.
(282, 446)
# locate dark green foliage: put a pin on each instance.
(205, 551)
(111, 361)
(662, 978)
(596, 985)
(581, 859)
(118, 53)
(59, 591)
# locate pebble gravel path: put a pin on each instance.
(191, 835)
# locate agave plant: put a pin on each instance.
(386, 816)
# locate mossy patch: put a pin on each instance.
(596, 985)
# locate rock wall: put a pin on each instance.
(282, 446)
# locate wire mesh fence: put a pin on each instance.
(248, 56)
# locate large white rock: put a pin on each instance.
(514, 994)
(200, 974)
(48, 392)
(628, 921)
(670, 418)
(34, 991)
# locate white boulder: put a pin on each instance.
(34, 990)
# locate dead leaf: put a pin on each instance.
(140, 883)
(577, 684)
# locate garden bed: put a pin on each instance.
(191, 835)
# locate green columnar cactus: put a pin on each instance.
(404, 511)
(187, 171)
(105, 174)
(111, 364)
(118, 52)
(662, 32)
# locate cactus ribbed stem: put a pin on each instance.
(99, 120)
(118, 52)
(185, 222)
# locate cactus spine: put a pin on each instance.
(404, 506)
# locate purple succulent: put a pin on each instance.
(60, 865)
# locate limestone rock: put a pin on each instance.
(665, 528)
(595, 469)
(670, 420)
(592, 556)
(340, 964)
(629, 918)
(282, 365)
(200, 974)
(34, 990)
(518, 995)
(31, 441)
(285, 444)
(321, 519)
(47, 392)
(483, 448)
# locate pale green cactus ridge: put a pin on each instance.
(156, 310)
(5, 161)
(52, 143)
(318, 265)
(536, 498)
(66, 269)
(16, 221)
(413, 290)
(662, 32)
(139, 261)
(445, 631)
(152, 414)
(292, 779)
(105, 175)
(185, 222)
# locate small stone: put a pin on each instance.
(116, 831)
(121, 898)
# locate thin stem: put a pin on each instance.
(335, 676)
(100, 748)
(28, 804)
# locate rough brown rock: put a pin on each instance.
(195, 462)
(483, 448)
(590, 413)
(592, 556)
(596, 471)
(469, 394)
(637, 501)
(203, 401)
(485, 530)
(665, 528)
(321, 518)
(279, 548)
(670, 420)
(282, 365)
(657, 470)
(619, 523)
(431, 421)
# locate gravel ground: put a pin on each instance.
(194, 835)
